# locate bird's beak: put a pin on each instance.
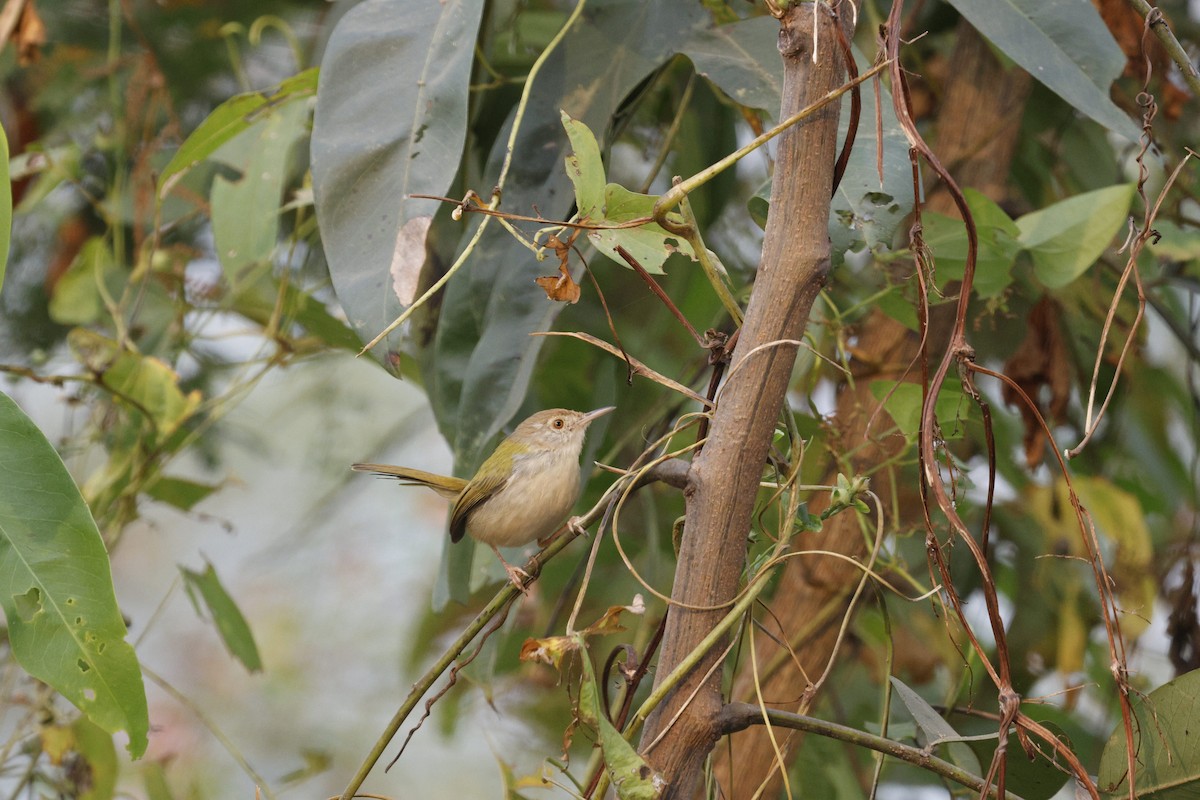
(599, 412)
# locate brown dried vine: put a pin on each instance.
(960, 353)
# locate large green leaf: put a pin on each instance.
(390, 122)
(1062, 43)
(742, 59)
(483, 356)
(1168, 748)
(56, 586)
(1066, 238)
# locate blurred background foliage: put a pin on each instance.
(147, 323)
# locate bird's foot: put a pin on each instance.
(519, 577)
(576, 526)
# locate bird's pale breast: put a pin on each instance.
(533, 503)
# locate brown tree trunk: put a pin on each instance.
(723, 480)
(978, 125)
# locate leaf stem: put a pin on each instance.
(716, 277)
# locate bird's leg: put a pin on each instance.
(517, 575)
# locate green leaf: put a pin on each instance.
(228, 120)
(998, 245)
(154, 777)
(390, 122)
(179, 492)
(742, 60)
(1066, 238)
(205, 587)
(56, 586)
(896, 305)
(584, 168)
(865, 212)
(1062, 43)
(649, 243)
(78, 297)
(1122, 519)
(96, 748)
(144, 382)
(631, 776)
(245, 212)
(903, 403)
(1041, 777)
(935, 728)
(6, 208)
(1176, 243)
(613, 204)
(483, 356)
(1168, 749)
(258, 296)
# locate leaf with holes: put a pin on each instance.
(56, 585)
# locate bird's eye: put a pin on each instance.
(558, 423)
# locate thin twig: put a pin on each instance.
(638, 367)
(659, 293)
(260, 782)
(672, 198)
(739, 716)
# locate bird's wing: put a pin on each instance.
(476, 492)
(447, 487)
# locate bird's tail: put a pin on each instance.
(447, 487)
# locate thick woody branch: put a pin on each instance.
(723, 481)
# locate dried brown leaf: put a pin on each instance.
(29, 36)
(560, 287)
(1040, 362)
